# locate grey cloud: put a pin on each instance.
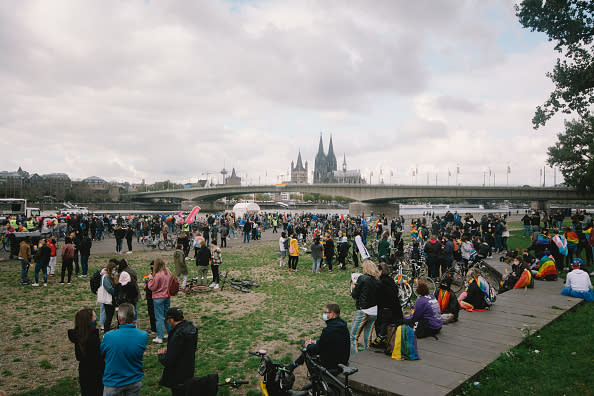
(458, 104)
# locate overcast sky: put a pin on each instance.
(130, 90)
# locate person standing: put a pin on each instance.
(158, 283)
(85, 338)
(179, 356)
(84, 249)
(433, 250)
(51, 269)
(67, 259)
(364, 291)
(283, 245)
(316, 254)
(129, 236)
(216, 261)
(43, 259)
(150, 306)
(25, 259)
(123, 350)
(329, 250)
(203, 257)
(119, 234)
(293, 253)
(75, 236)
(106, 292)
(181, 268)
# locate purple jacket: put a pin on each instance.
(427, 307)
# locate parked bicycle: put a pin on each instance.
(276, 379)
(323, 382)
(243, 285)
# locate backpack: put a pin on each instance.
(286, 243)
(402, 343)
(95, 281)
(173, 287)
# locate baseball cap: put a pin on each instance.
(175, 313)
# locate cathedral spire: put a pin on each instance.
(299, 165)
(344, 165)
(321, 146)
(332, 165)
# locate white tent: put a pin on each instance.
(242, 208)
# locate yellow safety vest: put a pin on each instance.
(13, 223)
(30, 224)
(186, 227)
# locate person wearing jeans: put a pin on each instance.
(25, 259)
(158, 283)
(43, 259)
(316, 255)
(364, 291)
(84, 248)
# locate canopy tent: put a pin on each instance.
(240, 209)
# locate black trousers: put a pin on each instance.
(66, 266)
(293, 261)
(223, 241)
(151, 311)
(216, 278)
(109, 310)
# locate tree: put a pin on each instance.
(569, 23)
(574, 153)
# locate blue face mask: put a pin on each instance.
(94, 324)
(325, 317)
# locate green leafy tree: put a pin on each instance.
(570, 24)
(574, 153)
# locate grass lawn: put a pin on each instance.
(37, 358)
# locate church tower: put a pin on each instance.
(331, 158)
(321, 164)
(299, 172)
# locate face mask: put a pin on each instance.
(94, 324)
(113, 272)
(325, 317)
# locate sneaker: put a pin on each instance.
(329, 270)
(592, 273)
(157, 340)
(69, 283)
(35, 284)
(166, 336)
(212, 284)
(216, 286)
(60, 283)
(45, 284)
(82, 276)
(152, 333)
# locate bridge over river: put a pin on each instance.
(377, 197)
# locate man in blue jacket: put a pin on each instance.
(123, 350)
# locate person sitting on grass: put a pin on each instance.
(426, 319)
(578, 283)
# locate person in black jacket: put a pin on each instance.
(333, 344)
(434, 256)
(42, 261)
(85, 338)
(203, 257)
(364, 291)
(84, 249)
(129, 236)
(389, 310)
(179, 356)
(119, 234)
(329, 250)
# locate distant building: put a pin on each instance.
(325, 164)
(299, 172)
(233, 180)
(345, 176)
(326, 171)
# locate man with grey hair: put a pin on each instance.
(123, 350)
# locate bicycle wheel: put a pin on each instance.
(239, 287)
(6, 244)
(404, 293)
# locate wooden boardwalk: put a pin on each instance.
(464, 348)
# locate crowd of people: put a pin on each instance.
(113, 364)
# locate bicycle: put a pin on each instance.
(277, 380)
(417, 272)
(404, 288)
(323, 382)
(194, 286)
(243, 285)
(5, 242)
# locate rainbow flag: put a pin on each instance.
(572, 240)
(405, 344)
(547, 267)
(542, 240)
(443, 298)
(525, 280)
(587, 233)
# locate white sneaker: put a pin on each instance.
(166, 336)
(216, 286)
(157, 340)
(592, 273)
(35, 284)
(45, 284)
(212, 284)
